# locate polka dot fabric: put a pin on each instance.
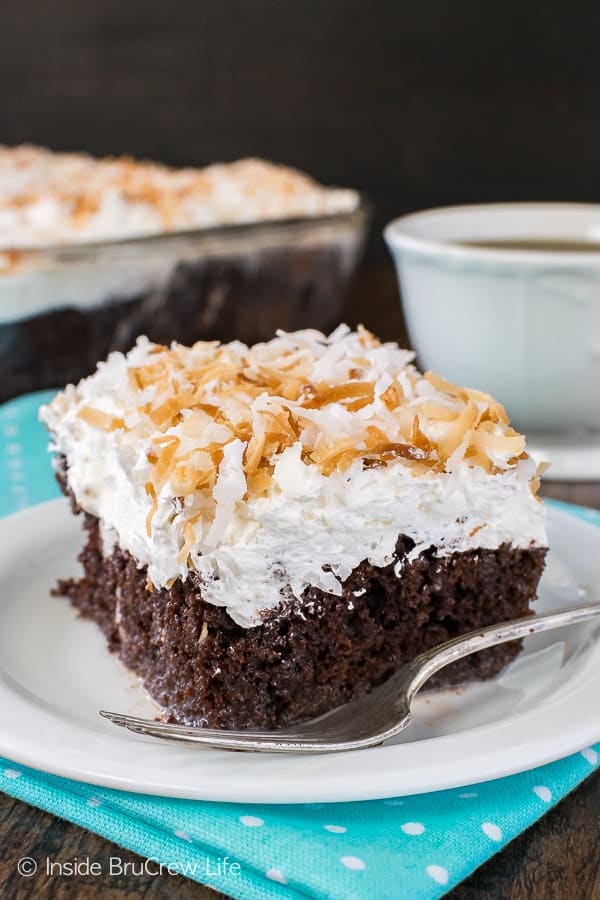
(349, 851)
(413, 847)
(25, 468)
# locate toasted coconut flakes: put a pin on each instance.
(463, 422)
(536, 481)
(328, 458)
(194, 401)
(359, 403)
(491, 443)
(254, 452)
(100, 419)
(168, 411)
(165, 439)
(189, 540)
(375, 436)
(441, 385)
(165, 458)
(259, 481)
(389, 450)
(541, 468)
(419, 440)
(439, 413)
(371, 463)
(323, 394)
(393, 396)
(152, 494)
(133, 380)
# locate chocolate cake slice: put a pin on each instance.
(274, 530)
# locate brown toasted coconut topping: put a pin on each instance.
(191, 402)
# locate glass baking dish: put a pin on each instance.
(63, 308)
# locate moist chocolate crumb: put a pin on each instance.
(314, 652)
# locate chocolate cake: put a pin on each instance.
(94, 252)
(273, 531)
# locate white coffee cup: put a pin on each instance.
(522, 324)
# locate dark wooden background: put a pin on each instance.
(418, 103)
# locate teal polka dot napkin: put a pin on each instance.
(26, 475)
(412, 847)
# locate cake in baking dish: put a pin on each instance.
(49, 198)
(94, 252)
(273, 531)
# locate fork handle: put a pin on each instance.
(431, 661)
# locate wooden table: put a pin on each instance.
(556, 859)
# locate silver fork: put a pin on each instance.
(372, 719)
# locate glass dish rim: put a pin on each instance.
(361, 212)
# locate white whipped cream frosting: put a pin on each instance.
(51, 198)
(309, 528)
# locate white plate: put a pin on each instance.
(571, 457)
(56, 673)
